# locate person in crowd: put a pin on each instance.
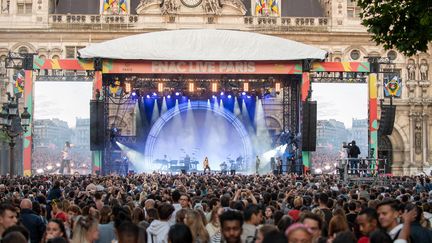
(54, 229)
(17, 228)
(184, 201)
(337, 224)
(195, 223)
(314, 223)
(86, 230)
(231, 226)
(180, 233)
(368, 222)
(269, 211)
(263, 231)
(14, 237)
(157, 232)
(127, 232)
(8, 216)
(106, 226)
(57, 208)
(388, 215)
(31, 221)
(298, 233)
(213, 227)
(252, 218)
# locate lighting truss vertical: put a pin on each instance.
(246, 86)
(277, 86)
(191, 87)
(214, 87)
(160, 87)
(128, 87)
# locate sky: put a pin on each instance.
(63, 100)
(341, 102)
(67, 100)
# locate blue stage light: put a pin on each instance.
(154, 94)
(221, 93)
(134, 94)
(229, 96)
(177, 93)
(243, 93)
(214, 96)
(148, 96)
(169, 96)
(248, 96)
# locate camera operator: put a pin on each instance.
(353, 153)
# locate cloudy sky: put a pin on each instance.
(67, 101)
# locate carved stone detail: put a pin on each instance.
(424, 68)
(411, 69)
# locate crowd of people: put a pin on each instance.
(199, 208)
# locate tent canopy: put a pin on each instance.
(203, 45)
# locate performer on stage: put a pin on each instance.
(66, 159)
(257, 163)
(206, 165)
(279, 166)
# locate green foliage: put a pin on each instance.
(402, 24)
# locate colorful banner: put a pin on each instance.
(115, 7)
(359, 67)
(27, 137)
(267, 8)
(19, 83)
(373, 118)
(392, 85)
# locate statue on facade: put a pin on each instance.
(411, 68)
(5, 6)
(417, 135)
(238, 5)
(211, 6)
(424, 68)
(148, 4)
(169, 7)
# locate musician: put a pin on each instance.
(279, 165)
(257, 163)
(206, 165)
(224, 167)
(66, 159)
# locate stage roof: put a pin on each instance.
(203, 45)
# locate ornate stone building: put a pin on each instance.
(56, 29)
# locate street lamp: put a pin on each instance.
(13, 125)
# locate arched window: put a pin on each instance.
(23, 50)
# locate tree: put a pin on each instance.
(402, 24)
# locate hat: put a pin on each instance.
(294, 214)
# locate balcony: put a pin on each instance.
(82, 21)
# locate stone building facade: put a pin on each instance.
(56, 29)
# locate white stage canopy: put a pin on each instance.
(203, 45)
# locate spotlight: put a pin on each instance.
(243, 93)
(177, 93)
(222, 93)
(169, 96)
(134, 94)
(229, 96)
(148, 96)
(248, 96)
(154, 94)
(214, 97)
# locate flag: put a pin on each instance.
(123, 6)
(392, 86)
(274, 6)
(107, 4)
(19, 82)
(259, 7)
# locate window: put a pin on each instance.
(72, 51)
(355, 55)
(23, 50)
(24, 6)
(392, 55)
